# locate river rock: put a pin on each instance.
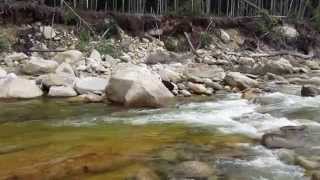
(14, 58)
(185, 93)
(209, 83)
(132, 85)
(309, 91)
(286, 155)
(15, 87)
(71, 57)
(49, 80)
(92, 85)
(225, 37)
(193, 170)
(95, 55)
(65, 68)
(38, 65)
(169, 75)
(198, 88)
(279, 67)
(287, 31)
(48, 32)
(307, 163)
(145, 174)
(61, 91)
(315, 176)
(241, 81)
(288, 137)
(313, 65)
(3, 73)
(87, 98)
(205, 71)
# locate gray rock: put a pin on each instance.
(205, 71)
(87, 98)
(198, 88)
(214, 85)
(185, 93)
(169, 75)
(15, 87)
(225, 37)
(3, 73)
(13, 58)
(279, 67)
(49, 80)
(287, 156)
(95, 55)
(38, 65)
(61, 91)
(163, 57)
(65, 68)
(133, 85)
(309, 91)
(313, 65)
(288, 137)
(287, 31)
(71, 57)
(48, 32)
(307, 163)
(236, 79)
(92, 85)
(193, 170)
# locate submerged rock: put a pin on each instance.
(132, 85)
(193, 170)
(288, 137)
(15, 87)
(309, 91)
(87, 98)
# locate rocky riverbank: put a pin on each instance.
(144, 73)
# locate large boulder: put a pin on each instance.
(71, 57)
(15, 87)
(93, 85)
(38, 65)
(56, 79)
(205, 71)
(281, 66)
(132, 85)
(241, 81)
(61, 91)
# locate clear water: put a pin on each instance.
(54, 139)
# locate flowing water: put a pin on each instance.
(51, 138)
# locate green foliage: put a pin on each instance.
(205, 40)
(70, 17)
(267, 22)
(176, 44)
(84, 39)
(4, 43)
(316, 18)
(106, 47)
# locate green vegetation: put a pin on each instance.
(106, 47)
(4, 43)
(316, 18)
(205, 40)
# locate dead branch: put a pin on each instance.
(190, 44)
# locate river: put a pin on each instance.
(52, 138)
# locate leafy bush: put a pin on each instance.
(316, 18)
(106, 47)
(205, 40)
(84, 39)
(4, 43)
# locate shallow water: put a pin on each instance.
(54, 139)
